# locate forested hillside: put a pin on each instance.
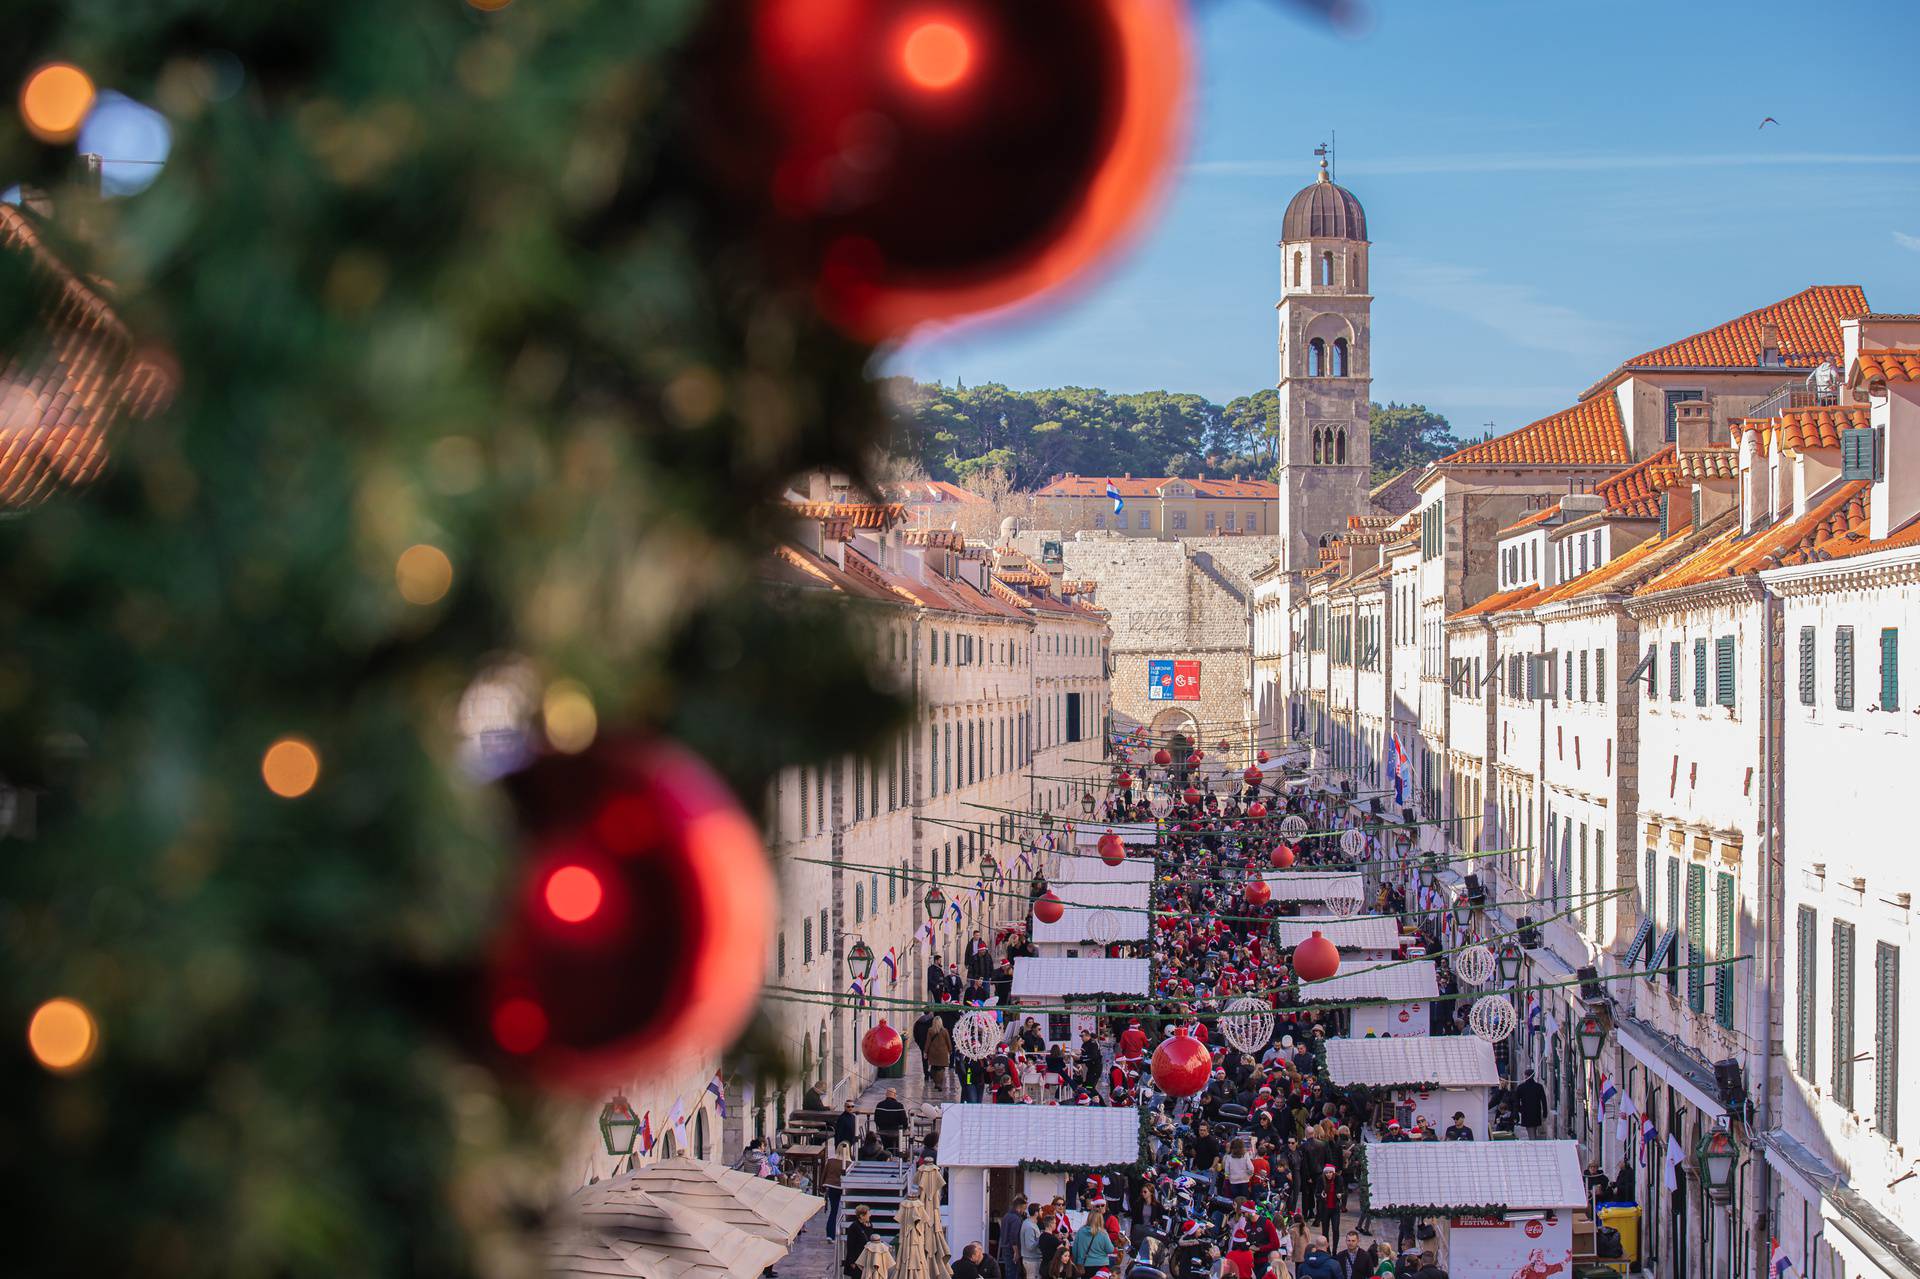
(964, 433)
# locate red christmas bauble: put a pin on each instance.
(1263, 757)
(1162, 757)
(1316, 958)
(882, 1045)
(1256, 810)
(1191, 795)
(641, 925)
(1281, 857)
(929, 161)
(1221, 745)
(1113, 850)
(1124, 781)
(1257, 892)
(1253, 776)
(1049, 908)
(1181, 1065)
(1196, 757)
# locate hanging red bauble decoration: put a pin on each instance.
(641, 925)
(1191, 795)
(1257, 892)
(1124, 781)
(931, 161)
(882, 1045)
(1256, 810)
(1162, 757)
(1049, 908)
(1221, 745)
(1281, 857)
(1181, 1065)
(1253, 776)
(1113, 850)
(1316, 958)
(1263, 757)
(1196, 757)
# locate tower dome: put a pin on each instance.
(1323, 211)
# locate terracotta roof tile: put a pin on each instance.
(1901, 364)
(1841, 511)
(1136, 486)
(1532, 518)
(1708, 464)
(924, 492)
(1630, 494)
(1588, 434)
(1807, 325)
(1815, 427)
(1499, 601)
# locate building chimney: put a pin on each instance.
(1769, 343)
(1693, 425)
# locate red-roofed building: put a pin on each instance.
(1164, 507)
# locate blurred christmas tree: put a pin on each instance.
(433, 355)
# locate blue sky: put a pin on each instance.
(1550, 188)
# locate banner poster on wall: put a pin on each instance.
(1169, 680)
(1495, 1248)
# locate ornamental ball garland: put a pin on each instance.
(1492, 1018)
(976, 1035)
(1474, 965)
(1247, 1023)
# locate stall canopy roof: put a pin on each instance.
(1451, 1061)
(1355, 932)
(985, 1136)
(1120, 891)
(1087, 834)
(1313, 886)
(1389, 979)
(1057, 978)
(1519, 1175)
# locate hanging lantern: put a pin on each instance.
(1716, 1156)
(1113, 850)
(1086, 802)
(1192, 796)
(1253, 776)
(1046, 821)
(1316, 958)
(1048, 907)
(1281, 857)
(1510, 958)
(882, 1045)
(1262, 757)
(1163, 757)
(1592, 1034)
(1256, 810)
(1181, 1065)
(1257, 892)
(935, 902)
(1160, 803)
(990, 867)
(619, 1126)
(860, 959)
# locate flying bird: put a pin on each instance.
(1769, 120)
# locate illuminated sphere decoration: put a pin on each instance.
(924, 162)
(1281, 858)
(1163, 757)
(1247, 1023)
(1103, 927)
(1353, 842)
(1492, 1018)
(1113, 850)
(1257, 892)
(1048, 908)
(882, 1046)
(1316, 958)
(976, 1035)
(1196, 757)
(1294, 828)
(1181, 1065)
(1343, 907)
(644, 911)
(1474, 965)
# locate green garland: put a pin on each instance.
(1139, 1164)
(1417, 1210)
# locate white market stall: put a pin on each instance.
(982, 1147)
(1084, 985)
(1403, 989)
(1315, 885)
(1364, 938)
(1428, 1077)
(1505, 1208)
(1104, 904)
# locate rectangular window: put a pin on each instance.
(1665, 526)
(1886, 1040)
(1695, 513)
(1649, 886)
(1806, 665)
(1806, 969)
(1600, 673)
(1696, 937)
(1073, 717)
(1723, 950)
(780, 956)
(806, 940)
(804, 830)
(1674, 918)
(1723, 670)
(1673, 671)
(1890, 668)
(859, 902)
(1843, 1014)
(1699, 672)
(1858, 454)
(820, 798)
(1209, 521)
(1178, 520)
(1843, 668)
(1146, 519)
(1232, 519)
(1099, 519)
(1653, 670)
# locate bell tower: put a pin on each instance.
(1325, 369)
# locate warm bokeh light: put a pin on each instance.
(519, 1025)
(489, 6)
(290, 767)
(423, 574)
(573, 894)
(936, 54)
(55, 100)
(62, 1035)
(569, 715)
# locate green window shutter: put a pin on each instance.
(1653, 671)
(1583, 675)
(1696, 506)
(1843, 1014)
(1843, 668)
(1651, 885)
(1857, 453)
(1600, 673)
(1723, 670)
(1886, 1041)
(1805, 1037)
(1663, 514)
(1723, 950)
(1699, 672)
(1696, 937)
(1806, 666)
(1890, 668)
(1673, 671)
(1673, 920)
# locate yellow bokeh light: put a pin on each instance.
(489, 6)
(62, 1035)
(290, 767)
(423, 574)
(570, 718)
(55, 100)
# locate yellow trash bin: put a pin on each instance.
(1626, 1219)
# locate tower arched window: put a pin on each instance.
(1340, 357)
(1340, 449)
(1326, 267)
(1317, 358)
(1299, 261)
(1316, 446)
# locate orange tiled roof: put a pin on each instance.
(1532, 518)
(1805, 428)
(67, 385)
(923, 492)
(1518, 597)
(1841, 512)
(854, 514)
(1144, 486)
(1708, 464)
(1588, 434)
(1807, 324)
(1630, 494)
(1900, 364)
(794, 566)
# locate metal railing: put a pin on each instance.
(1796, 394)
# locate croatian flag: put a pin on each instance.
(1649, 1135)
(1114, 494)
(1397, 770)
(953, 908)
(718, 1087)
(1607, 1093)
(1533, 1013)
(1781, 1264)
(859, 989)
(646, 1133)
(892, 960)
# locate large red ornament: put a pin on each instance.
(1181, 1065)
(1113, 850)
(1196, 757)
(924, 161)
(1256, 810)
(1281, 857)
(641, 925)
(1263, 757)
(1049, 908)
(1257, 892)
(1221, 745)
(1124, 781)
(1253, 776)
(1162, 757)
(882, 1045)
(1191, 795)
(1316, 958)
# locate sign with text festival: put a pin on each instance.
(1494, 1248)
(1172, 681)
